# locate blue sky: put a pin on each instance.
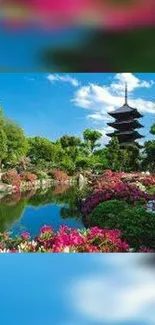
(76, 289)
(52, 105)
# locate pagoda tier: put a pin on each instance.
(125, 135)
(125, 124)
(125, 111)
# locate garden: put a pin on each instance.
(72, 195)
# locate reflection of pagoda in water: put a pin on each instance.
(125, 124)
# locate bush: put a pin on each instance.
(28, 177)
(58, 175)
(41, 175)
(11, 178)
(137, 226)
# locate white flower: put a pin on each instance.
(66, 249)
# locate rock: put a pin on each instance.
(81, 179)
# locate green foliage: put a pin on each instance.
(113, 154)
(91, 137)
(83, 163)
(152, 130)
(67, 165)
(3, 145)
(1, 118)
(17, 144)
(126, 159)
(135, 223)
(149, 158)
(40, 149)
(69, 141)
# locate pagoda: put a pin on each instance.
(126, 124)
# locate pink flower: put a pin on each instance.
(25, 235)
(46, 229)
(127, 14)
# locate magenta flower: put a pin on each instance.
(25, 235)
(46, 229)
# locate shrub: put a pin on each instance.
(109, 187)
(41, 175)
(137, 226)
(58, 175)
(28, 177)
(11, 178)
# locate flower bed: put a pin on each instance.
(59, 175)
(11, 178)
(67, 240)
(28, 177)
(112, 185)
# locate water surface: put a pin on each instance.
(30, 211)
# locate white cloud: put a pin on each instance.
(132, 81)
(63, 78)
(103, 99)
(123, 291)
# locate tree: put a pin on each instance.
(70, 141)
(152, 130)
(1, 118)
(40, 149)
(149, 159)
(149, 152)
(91, 137)
(113, 154)
(3, 145)
(17, 144)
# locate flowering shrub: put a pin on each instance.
(28, 177)
(114, 185)
(67, 240)
(106, 13)
(58, 175)
(11, 178)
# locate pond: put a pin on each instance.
(30, 211)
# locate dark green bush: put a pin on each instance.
(137, 226)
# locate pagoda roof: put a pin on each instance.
(124, 133)
(118, 123)
(125, 109)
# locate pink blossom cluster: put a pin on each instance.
(58, 175)
(67, 240)
(28, 177)
(113, 185)
(103, 13)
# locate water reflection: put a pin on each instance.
(31, 210)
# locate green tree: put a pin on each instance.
(152, 130)
(17, 144)
(149, 155)
(3, 146)
(149, 152)
(113, 154)
(41, 149)
(70, 141)
(91, 137)
(1, 118)
(71, 146)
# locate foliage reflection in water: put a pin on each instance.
(30, 211)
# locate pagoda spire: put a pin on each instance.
(126, 94)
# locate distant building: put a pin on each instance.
(126, 124)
